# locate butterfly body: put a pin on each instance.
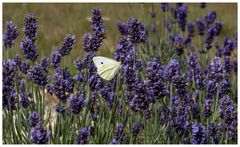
(107, 68)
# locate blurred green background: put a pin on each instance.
(58, 20)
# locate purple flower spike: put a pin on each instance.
(38, 75)
(178, 43)
(38, 135)
(199, 134)
(182, 16)
(93, 42)
(10, 34)
(69, 41)
(171, 70)
(33, 119)
(82, 137)
(28, 47)
(76, 103)
(123, 28)
(164, 7)
(62, 85)
(210, 18)
(200, 26)
(218, 28)
(215, 70)
(8, 89)
(137, 32)
(55, 59)
(118, 135)
(24, 101)
(31, 26)
(203, 5)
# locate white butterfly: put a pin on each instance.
(107, 68)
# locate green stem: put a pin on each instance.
(43, 100)
(166, 107)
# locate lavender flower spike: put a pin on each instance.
(69, 41)
(28, 47)
(38, 75)
(33, 119)
(31, 26)
(93, 41)
(82, 137)
(62, 85)
(182, 16)
(136, 31)
(76, 103)
(10, 34)
(8, 89)
(55, 59)
(178, 43)
(38, 135)
(24, 101)
(200, 26)
(199, 134)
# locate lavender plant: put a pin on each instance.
(169, 90)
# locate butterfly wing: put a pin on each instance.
(99, 61)
(106, 71)
(107, 68)
(114, 72)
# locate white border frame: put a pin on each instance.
(118, 1)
